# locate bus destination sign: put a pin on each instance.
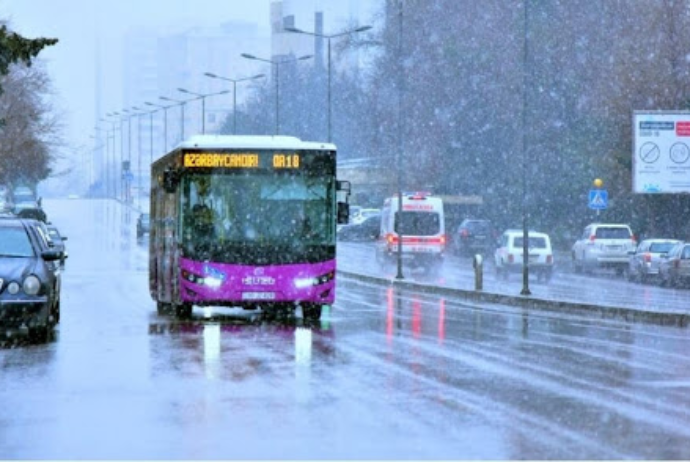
(241, 160)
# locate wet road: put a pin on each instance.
(388, 374)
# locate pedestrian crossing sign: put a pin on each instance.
(598, 199)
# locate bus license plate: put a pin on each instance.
(258, 295)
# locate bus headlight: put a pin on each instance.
(213, 280)
(302, 283)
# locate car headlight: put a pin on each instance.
(13, 288)
(31, 285)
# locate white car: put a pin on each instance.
(508, 255)
(604, 245)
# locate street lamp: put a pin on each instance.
(119, 117)
(202, 97)
(277, 64)
(181, 103)
(126, 177)
(525, 232)
(328, 37)
(165, 123)
(234, 93)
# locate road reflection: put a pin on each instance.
(239, 346)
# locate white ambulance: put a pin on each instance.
(422, 225)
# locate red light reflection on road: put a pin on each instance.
(416, 318)
(442, 321)
(390, 307)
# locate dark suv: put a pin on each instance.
(474, 236)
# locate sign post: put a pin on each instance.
(598, 198)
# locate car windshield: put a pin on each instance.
(476, 226)
(14, 242)
(533, 242)
(612, 233)
(661, 247)
(418, 223)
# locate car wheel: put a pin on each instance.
(39, 334)
(56, 313)
(577, 266)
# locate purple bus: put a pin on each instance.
(245, 221)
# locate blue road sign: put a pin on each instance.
(598, 199)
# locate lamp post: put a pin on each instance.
(328, 37)
(399, 231)
(104, 171)
(202, 97)
(234, 93)
(151, 136)
(126, 174)
(181, 103)
(277, 64)
(165, 123)
(525, 232)
(122, 153)
(113, 176)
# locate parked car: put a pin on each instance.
(354, 213)
(603, 245)
(58, 241)
(143, 224)
(473, 236)
(645, 260)
(674, 269)
(363, 214)
(368, 230)
(508, 256)
(29, 287)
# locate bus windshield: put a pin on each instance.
(226, 210)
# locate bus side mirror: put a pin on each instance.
(170, 181)
(343, 185)
(343, 213)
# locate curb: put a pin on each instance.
(530, 303)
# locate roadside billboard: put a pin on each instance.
(661, 152)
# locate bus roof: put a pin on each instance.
(250, 142)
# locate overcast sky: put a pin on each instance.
(79, 23)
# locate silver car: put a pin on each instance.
(603, 245)
(646, 258)
(674, 270)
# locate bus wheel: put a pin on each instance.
(163, 308)
(311, 312)
(183, 311)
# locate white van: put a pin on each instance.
(422, 227)
(508, 255)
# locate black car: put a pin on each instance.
(58, 241)
(474, 236)
(143, 224)
(368, 230)
(29, 279)
(30, 209)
